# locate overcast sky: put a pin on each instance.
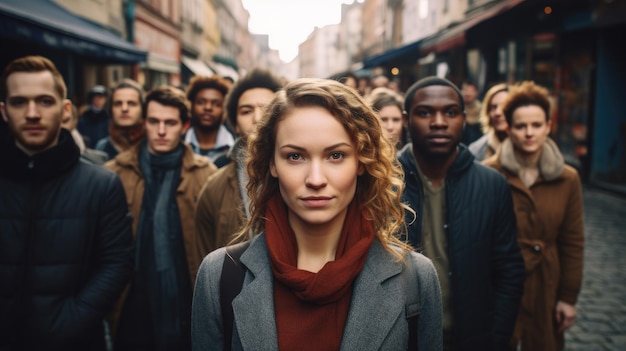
(289, 22)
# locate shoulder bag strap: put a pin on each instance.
(413, 302)
(231, 281)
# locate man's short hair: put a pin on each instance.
(257, 78)
(198, 83)
(126, 83)
(168, 96)
(426, 82)
(33, 64)
(469, 82)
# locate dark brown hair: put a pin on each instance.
(198, 83)
(168, 96)
(126, 84)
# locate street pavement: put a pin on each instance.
(601, 307)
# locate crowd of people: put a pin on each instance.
(259, 214)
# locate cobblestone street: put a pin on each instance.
(601, 323)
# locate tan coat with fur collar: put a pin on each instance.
(549, 217)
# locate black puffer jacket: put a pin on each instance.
(486, 267)
(65, 248)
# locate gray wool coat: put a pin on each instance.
(376, 320)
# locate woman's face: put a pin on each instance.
(496, 116)
(392, 121)
(529, 129)
(316, 165)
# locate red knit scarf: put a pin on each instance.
(311, 308)
(125, 137)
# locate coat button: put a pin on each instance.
(537, 248)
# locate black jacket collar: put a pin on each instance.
(42, 166)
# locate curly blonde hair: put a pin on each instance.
(378, 189)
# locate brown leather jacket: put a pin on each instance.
(219, 214)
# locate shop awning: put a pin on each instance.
(159, 63)
(224, 70)
(48, 24)
(392, 55)
(455, 35)
(197, 67)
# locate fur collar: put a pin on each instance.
(551, 162)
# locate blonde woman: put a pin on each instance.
(493, 123)
(326, 271)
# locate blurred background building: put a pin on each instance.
(573, 47)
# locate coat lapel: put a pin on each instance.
(377, 302)
(253, 308)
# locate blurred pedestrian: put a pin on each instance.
(378, 81)
(327, 272)
(548, 204)
(223, 203)
(473, 128)
(208, 135)
(65, 230)
(126, 127)
(69, 122)
(349, 79)
(93, 123)
(493, 123)
(363, 85)
(389, 107)
(465, 221)
(162, 177)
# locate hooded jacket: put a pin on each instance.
(486, 267)
(65, 248)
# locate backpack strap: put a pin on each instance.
(231, 281)
(412, 309)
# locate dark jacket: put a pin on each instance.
(486, 267)
(93, 125)
(65, 248)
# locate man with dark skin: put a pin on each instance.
(208, 136)
(464, 214)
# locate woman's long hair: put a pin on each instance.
(379, 188)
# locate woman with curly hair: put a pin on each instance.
(327, 270)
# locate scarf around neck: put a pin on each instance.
(161, 179)
(123, 138)
(313, 307)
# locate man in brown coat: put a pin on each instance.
(223, 202)
(161, 177)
